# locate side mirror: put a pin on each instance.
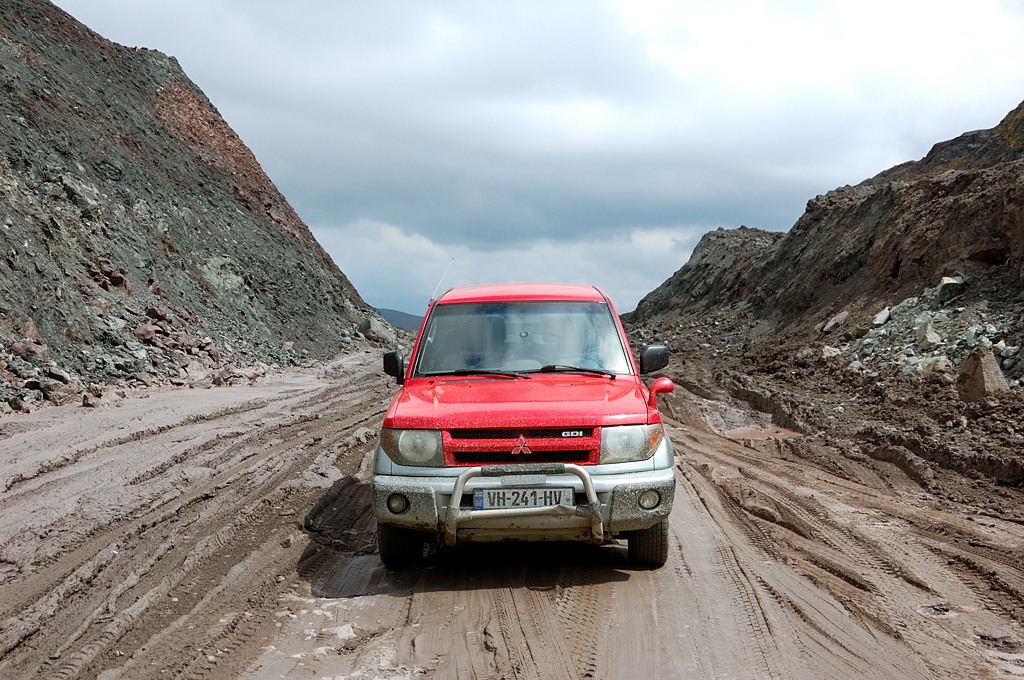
(653, 358)
(394, 365)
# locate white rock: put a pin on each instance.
(931, 365)
(921, 320)
(927, 338)
(905, 304)
(835, 322)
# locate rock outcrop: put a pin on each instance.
(138, 234)
(947, 230)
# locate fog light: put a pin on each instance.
(649, 499)
(397, 503)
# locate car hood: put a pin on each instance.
(562, 400)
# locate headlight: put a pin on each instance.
(413, 447)
(630, 443)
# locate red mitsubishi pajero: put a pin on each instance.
(522, 416)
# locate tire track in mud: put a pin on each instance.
(550, 653)
(876, 573)
(842, 551)
(227, 613)
(723, 592)
(478, 665)
(760, 513)
(483, 612)
(69, 459)
(75, 625)
(518, 658)
(895, 571)
(189, 453)
(812, 621)
(583, 609)
(230, 635)
(990, 581)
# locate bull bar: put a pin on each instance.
(457, 514)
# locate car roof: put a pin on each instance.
(495, 292)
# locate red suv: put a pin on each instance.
(522, 416)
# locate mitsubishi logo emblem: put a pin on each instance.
(521, 446)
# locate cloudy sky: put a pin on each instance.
(572, 140)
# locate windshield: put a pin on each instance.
(521, 336)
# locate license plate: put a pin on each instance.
(527, 497)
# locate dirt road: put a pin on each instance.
(226, 532)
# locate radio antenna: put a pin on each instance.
(434, 295)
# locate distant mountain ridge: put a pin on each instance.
(409, 322)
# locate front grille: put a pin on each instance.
(536, 433)
(494, 457)
(490, 446)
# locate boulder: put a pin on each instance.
(58, 374)
(20, 405)
(835, 322)
(30, 351)
(146, 332)
(99, 306)
(927, 338)
(157, 313)
(197, 372)
(949, 288)
(980, 377)
(377, 329)
(921, 320)
(933, 365)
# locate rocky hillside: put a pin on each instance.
(139, 238)
(958, 211)
(856, 251)
(890, 318)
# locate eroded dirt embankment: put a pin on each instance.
(227, 533)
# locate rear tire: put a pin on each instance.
(399, 547)
(650, 546)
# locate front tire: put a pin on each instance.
(650, 546)
(399, 547)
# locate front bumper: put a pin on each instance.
(606, 504)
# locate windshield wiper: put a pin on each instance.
(563, 368)
(475, 371)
